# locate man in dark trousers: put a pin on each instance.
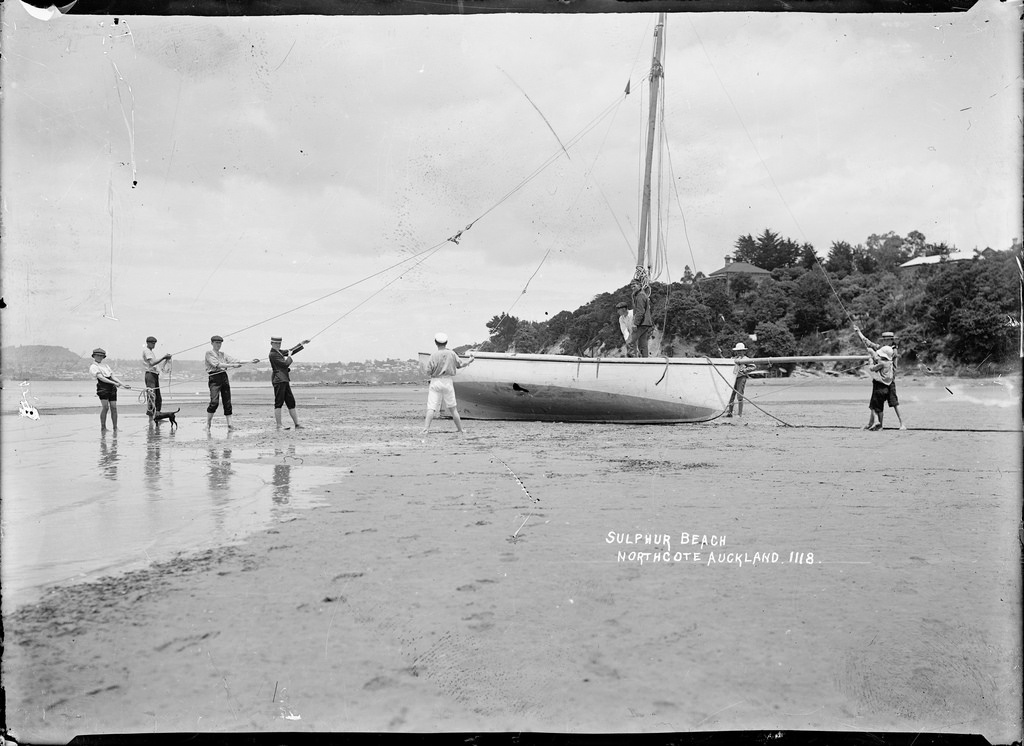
(154, 401)
(888, 340)
(217, 364)
(280, 363)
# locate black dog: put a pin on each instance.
(157, 416)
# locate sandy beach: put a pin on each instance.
(786, 570)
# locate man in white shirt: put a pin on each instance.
(154, 402)
(625, 320)
(441, 368)
(217, 364)
(106, 388)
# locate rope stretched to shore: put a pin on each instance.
(428, 252)
(759, 409)
(775, 390)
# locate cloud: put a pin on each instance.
(281, 159)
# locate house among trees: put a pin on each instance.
(952, 256)
(732, 270)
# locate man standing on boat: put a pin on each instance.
(154, 402)
(441, 367)
(639, 339)
(217, 364)
(888, 340)
(280, 364)
(625, 320)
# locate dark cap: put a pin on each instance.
(275, 339)
(621, 304)
(151, 339)
(216, 338)
(99, 351)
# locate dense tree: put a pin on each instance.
(808, 257)
(555, 328)
(888, 250)
(774, 340)
(962, 311)
(767, 251)
(528, 337)
(915, 244)
(771, 304)
(864, 261)
(741, 285)
(810, 297)
(977, 333)
(503, 332)
(840, 259)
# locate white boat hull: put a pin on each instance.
(563, 388)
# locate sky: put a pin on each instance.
(301, 176)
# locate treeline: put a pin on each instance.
(950, 312)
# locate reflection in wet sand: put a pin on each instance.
(81, 507)
(108, 457)
(218, 477)
(152, 464)
(283, 474)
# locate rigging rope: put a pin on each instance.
(714, 368)
(429, 251)
(771, 177)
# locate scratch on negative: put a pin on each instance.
(327, 639)
(720, 711)
(286, 55)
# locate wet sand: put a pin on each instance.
(867, 581)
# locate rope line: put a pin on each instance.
(738, 394)
(351, 285)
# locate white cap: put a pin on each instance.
(739, 346)
(885, 353)
(441, 338)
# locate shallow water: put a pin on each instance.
(78, 504)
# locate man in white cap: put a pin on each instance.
(881, 381)
(441, 368)
(888, 340)
(106, 388)
(741, 371)
(280, 364)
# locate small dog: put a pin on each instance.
(158, 416)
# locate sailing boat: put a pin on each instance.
(567, 388)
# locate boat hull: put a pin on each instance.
(561, 388)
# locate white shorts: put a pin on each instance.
(441, 390)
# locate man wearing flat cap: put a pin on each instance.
(217, 364)
(280, 365)
(625, 319)
(154, 402)
(106, 388)
(441, 367)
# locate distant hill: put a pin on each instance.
(26, 360)
(49, 363)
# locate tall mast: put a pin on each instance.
(643, 260)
